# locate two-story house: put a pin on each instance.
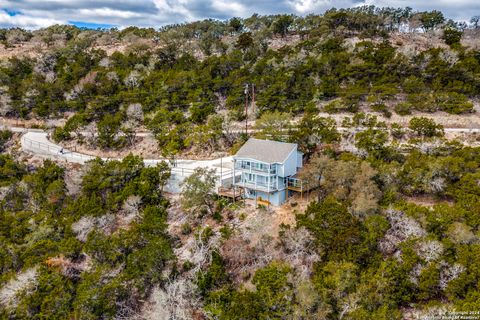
(265, 168)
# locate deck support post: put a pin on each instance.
(233, 180)
(268, 185)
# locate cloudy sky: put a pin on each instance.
(33, 14)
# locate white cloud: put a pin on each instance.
(316, 6)
(454, 9)
(306, 6)
(231, 8)
(108, 13)
(26, 22)
(177, 8)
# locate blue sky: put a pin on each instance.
(91, 25)
(34, 14)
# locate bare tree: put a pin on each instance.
(402, 227)
(22, 283)
(429, 250)
(299, 251)
(314, 172)
(176, 300)
(135, 112)
(133, 79)
(83, 227)
(475, 21)
(449, 272)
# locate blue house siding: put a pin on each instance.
(299, 159)
(290, 164)
(275, 198)
(265, 178)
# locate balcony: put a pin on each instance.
(257, 186)
(262, 186)
(255, 167)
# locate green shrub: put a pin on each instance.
(452, 36)
(186, 228)
(403, 108)
(425, 127)
(5, 136)
(380, 107)
(336, 106)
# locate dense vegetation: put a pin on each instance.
(75, 254)
(390, 231)
(175, 80)
(375, 253)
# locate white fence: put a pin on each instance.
(54, 151)
(178, 173)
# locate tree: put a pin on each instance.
(170, 130)
(425, 127)
(475, 21)
(108, 129)
(314, 173)
(336, 283)
(349, 181)
(274, 289)
(431, 19)
(429, 281)
(335, 230)
(452, 36)
(282, 24)
(10, 170)
(236, 25)
(213, 277)
(313, 131)
(273, 125)
(244, 41)
(273, 298)
(198, 191)
(5, 136)
(152, 181)
(364, 194)
(454, 103)
(372, 141)
(208, 136)
(200, 113)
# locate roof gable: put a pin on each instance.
(266, 150)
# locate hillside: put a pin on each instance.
(383, 105)
(344, 61)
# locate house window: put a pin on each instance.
(249, 177)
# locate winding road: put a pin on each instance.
(35, 141)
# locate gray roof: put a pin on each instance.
(266, 150)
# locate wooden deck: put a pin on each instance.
(230, 193)
(298, 185)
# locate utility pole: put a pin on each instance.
(253, 99)
(246, 109)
